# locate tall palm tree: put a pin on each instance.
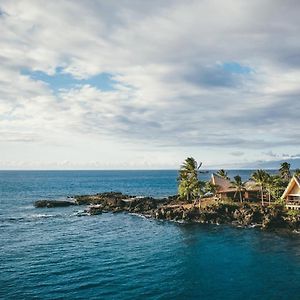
(270, 182)
(189, 185)
(260, 177)
(238, 185)
(222, 173)
(285, 171)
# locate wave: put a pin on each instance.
(28, 218)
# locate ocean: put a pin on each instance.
(55, 253)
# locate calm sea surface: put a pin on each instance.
(56, 254)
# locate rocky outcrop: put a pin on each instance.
(100, 198)
(53, 203)
(241, 214)
(134, 205)
(271, 217)
(293, 221)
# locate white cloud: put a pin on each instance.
(167, 59)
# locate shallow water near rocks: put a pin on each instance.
(55, 253)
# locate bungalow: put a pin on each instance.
(291, 194)
(226, 190)
(252, 191)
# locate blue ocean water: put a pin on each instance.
(56, 254)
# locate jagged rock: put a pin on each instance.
(293, 221)
(172, 208)
(53, 203)
(100, 198)
(273, 217)
(95, 210)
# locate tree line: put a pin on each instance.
(272, 186)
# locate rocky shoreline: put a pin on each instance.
(171, 209)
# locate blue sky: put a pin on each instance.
(142, 85)
(234, 67)
(65, 81)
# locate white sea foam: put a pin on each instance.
(41, 216)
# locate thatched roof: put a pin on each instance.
(225, 186)
(251, 185)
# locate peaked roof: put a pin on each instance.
(225, 185)
(251, 185)
(293, 181)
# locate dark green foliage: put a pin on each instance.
(285, 171)
(189, 185)
(239, 186)
(222, 173)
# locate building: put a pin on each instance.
(226, 190)
(253, 191)
(291, 194)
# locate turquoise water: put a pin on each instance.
(55, 254)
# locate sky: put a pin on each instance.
(132, 84)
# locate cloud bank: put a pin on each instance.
(200, 76)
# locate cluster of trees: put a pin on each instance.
(271, 186)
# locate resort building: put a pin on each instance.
(226, 190)
(252, 191)
(291, 194)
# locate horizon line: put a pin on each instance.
(167, 169)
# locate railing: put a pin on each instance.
(290, 201)
(293, 204)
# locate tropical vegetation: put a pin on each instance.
(190, 187)
(239, 186)
(210, 188)
(222, 173)
(260, 177)
(285, 171)
(271, 185)
(297, 172)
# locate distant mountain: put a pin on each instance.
(274, 164)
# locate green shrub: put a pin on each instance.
(293, 213)
(279, 202)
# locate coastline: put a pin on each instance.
(247, 215)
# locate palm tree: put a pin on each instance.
(260, 177)
(210, 187)
(285, 171)
(278, 186)
(270, 185)
(188, 188)
(297, 172)
(189, 185)
(239, 186)
(222, 173)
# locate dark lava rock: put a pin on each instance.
(172, 208)
(293, 221)
(95, 210)
(108, 198)
(139, 205)
(273, 217)
(52, 203)
(190, 214)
